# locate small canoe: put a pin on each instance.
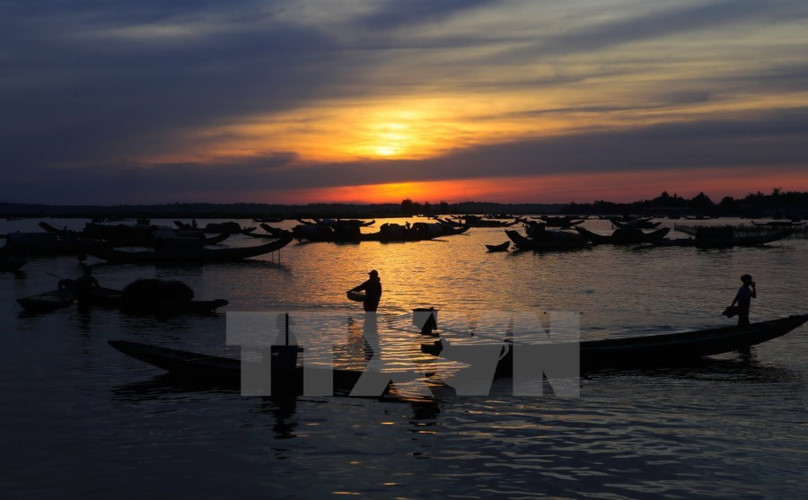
(502, 247)
(47, 301)
(58, 299)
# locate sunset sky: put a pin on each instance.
(374, 101)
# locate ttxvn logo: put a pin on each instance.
(467, 358)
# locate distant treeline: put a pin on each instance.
(777, 203)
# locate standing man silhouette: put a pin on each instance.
(743, 298)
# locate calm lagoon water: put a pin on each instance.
(81, 420)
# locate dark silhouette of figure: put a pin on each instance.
(743, 298)
(373, 291)
(84, 285)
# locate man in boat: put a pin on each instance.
(373, 291)
(84, 285)
(743, 298)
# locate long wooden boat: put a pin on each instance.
(664, 349)
(170, 308)
(272, 232)
(11, 261)
(634, 224)
(473, 221)
(779, 223)
(147, 236)
(740, 241)
(230, 227)
(186, 256)
(42, 244)
(225, 372)
(420, 231)
(388, 232)
(561, 222)
(624, 236)
(65, 297)
(550, 241)
(114, 299)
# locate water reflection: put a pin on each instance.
(720, 427)
(282, 409)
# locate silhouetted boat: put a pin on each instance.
(476, 221)
(274, 231)
(345, 222)
(561, 222)
(727, 237)
(502, 247)
(123, 235)
(271, 232)
(548, 241)
(42, 244)
(11, 261)
(779, 223)
(634, 223)
(65, 297)
(662, 349)
(624, 236)
(169, 308)
(387, 233)
(111, 298)
(186, 255)
(226, 372)
(231, 227)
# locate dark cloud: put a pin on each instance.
(392, 14)
(692, 18)
(88, 86)
(82, 98)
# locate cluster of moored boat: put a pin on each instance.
(565, 233)
(350, 231)
(183, 244)
(187, 243)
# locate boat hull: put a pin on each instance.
(113, 299)
(225, 372)
(661, 350)
(554, 241)
(196, 256)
